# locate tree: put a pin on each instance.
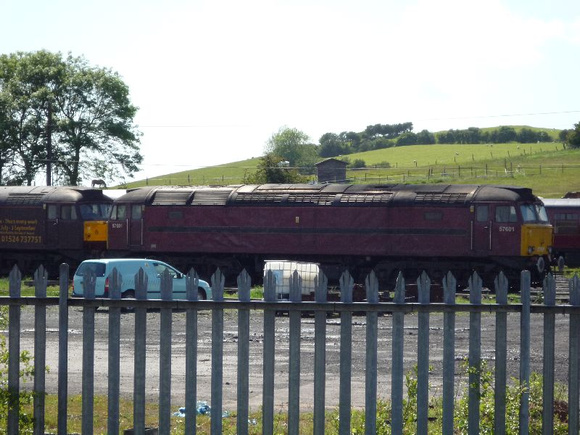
(506, 134)
(425, 137)
(409, 138)
(270, 170)
(67, 117)
(292, 145)
(573, 137)
(332, 145)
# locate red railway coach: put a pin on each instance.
(385, 228)
(564, 214)
(51, 225)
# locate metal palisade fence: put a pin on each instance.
(399, 310)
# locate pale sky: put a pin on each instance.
(214, 80)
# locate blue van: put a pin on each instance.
(128, 268)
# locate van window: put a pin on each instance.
(96, 267)
(161, 268)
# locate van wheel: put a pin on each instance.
(201, 294)
(129, 294)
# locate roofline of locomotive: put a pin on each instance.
(38, 195)
(401, 193)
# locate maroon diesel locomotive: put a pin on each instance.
(50, 225)
(385, 228)
(564, 214)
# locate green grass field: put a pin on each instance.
(547, 168)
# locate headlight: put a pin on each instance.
(530, 249)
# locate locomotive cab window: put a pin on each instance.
(52, 213)
(93, 212)
(119, 212)
(505, 213)
(482, 213)
(533, 213)
(136, 212)
(68, 212)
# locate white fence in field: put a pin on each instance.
(399, 308)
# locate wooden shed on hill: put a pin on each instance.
(331, 171)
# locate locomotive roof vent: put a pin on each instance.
(171, 197)
(211, 197)
(24, 198)
(447, 198)
(317, 199)
(362, 198)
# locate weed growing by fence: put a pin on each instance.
(487, 407)
(7, 400)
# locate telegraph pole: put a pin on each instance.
(49, 145)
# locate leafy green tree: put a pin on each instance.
(331, 145)
(409, 138)
(425, 137)
(358, 164)
(563, 135)
(271, 169)
(292, 145)
(352, 139)
(505, 134)
(27, 84)
(67, 116)
(573, 137)
(446, 136)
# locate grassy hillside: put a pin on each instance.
(548, 168)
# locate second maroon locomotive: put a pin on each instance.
(385, 228)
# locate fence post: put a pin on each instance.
(63, 349)
(574, 358)
(88, 383)
(397, 375)
(244, 286)
(191, 286)
(525, 352)
(372, 288)
(165, 339)
(320, 294)
(40, 283)
(140, 358)
(449, 288)
(346, 286)
(294, 356)
(114, 353)
(268, 355)
(501, 292)
(217, 352)
(423, 288)
(14, 312)
(549, 357)
(475, 285)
